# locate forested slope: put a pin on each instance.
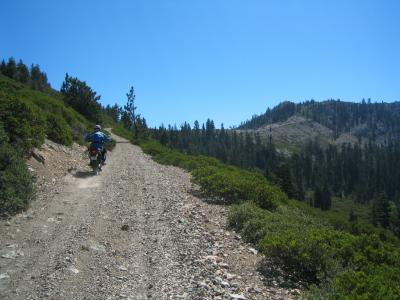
(367, 121)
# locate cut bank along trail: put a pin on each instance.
(135, 232)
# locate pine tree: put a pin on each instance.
(381, 211)
(11, 68)
(2, 67)
(318, 198)
(326, 198)
(114, 112)
(22, 72)
(352, 216)
(38, 78)
(81, 97)
(285, 180)
(128, 115)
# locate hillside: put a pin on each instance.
(296, 130)
(332, 121)
(27, 117)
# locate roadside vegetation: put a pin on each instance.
(15, 179)
(338, 259)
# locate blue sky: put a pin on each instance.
(226, 60)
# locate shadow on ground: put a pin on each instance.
(207, 197)
(274, 275)
(83, 174)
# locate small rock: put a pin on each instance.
(295, 292)
(98, 247)
(224, 265)
(225, 284)
(254, 251)
(237, 297)
(125, 227)
(213, 258)
(4, 276)
(122, 268)
(74, 270)
(230, 276)
(38, 156)
(12, 254)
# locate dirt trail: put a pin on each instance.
(136, 232)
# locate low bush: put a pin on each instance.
(129, 135)
(153, 148)
(373, 282)
(313, 250)
(233, 185)
(15, 180)
(57, 130)
(23, 123)
(122, 132)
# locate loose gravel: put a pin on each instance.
(136, 231)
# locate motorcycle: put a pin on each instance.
(96, 159)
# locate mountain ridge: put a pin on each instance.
(335, 121)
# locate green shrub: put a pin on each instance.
(308, 247)
(122, 132)
(23, 123)
(376, 282)
(28, 115)
(240, 214)
(311, 253)
(15, 180)
(57, 130)
(233, 185)
(152, 148)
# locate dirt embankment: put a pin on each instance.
(137, 231)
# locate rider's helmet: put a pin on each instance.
(97, 128)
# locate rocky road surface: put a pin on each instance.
(137, 231)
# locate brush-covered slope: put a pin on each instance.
(28, 116)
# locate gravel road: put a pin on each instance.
(137, 231)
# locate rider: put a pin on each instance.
(98, 139)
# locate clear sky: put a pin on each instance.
(223, 59)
